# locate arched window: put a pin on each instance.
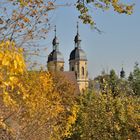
(72, 68)
(83, 71)
(76, 75)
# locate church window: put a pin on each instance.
(83, 71)
(76, 74)
(72, 68)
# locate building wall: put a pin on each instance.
(55, 66)
(81, 72)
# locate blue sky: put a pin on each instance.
(118, 44)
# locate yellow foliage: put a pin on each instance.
(11, 58)
(35, 97)
(25, 19)
(11, 64)
(71, 120)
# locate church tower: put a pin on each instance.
(55, 59)
(122, 74)
(78, 63)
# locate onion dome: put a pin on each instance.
(122, 73)
(55, 55)
(77, 53)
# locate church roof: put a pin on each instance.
(70, 77)
(55, 55)
(78, 54)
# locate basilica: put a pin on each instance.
(77, 61)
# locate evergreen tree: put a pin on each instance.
(134, 79)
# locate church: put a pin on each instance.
(77, 62)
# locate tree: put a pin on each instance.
(134, 79)
(102, 116)
(26, 21)
(32, 103)
(37, 106)
(83, 7)
(112, 82)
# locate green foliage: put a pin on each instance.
(111, 82)
(134, 79)
(104, 117)
(113, 79)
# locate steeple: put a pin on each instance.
(77, 27)
(55, 59)
(78, 63)
(78, 53)
(77, 39)
(55, 41)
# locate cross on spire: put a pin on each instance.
(77, 39)
(77, 27)
(55, 30)
(55, 41)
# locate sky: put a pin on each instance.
(117, 46)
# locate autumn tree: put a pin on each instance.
(35, 104)
(26, 20)
(86, 6)
(32, 103)
(102, 116)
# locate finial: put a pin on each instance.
(122, 64)
(77, 27)
(55, 30)
(77, 39)
(55, 40)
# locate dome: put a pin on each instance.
(78, 53)
(55, 55)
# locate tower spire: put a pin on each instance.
(77, 39)
(55, 41)
(55, 30)
(77, 28)
(55, 58)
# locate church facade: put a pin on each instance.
(77, 61)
